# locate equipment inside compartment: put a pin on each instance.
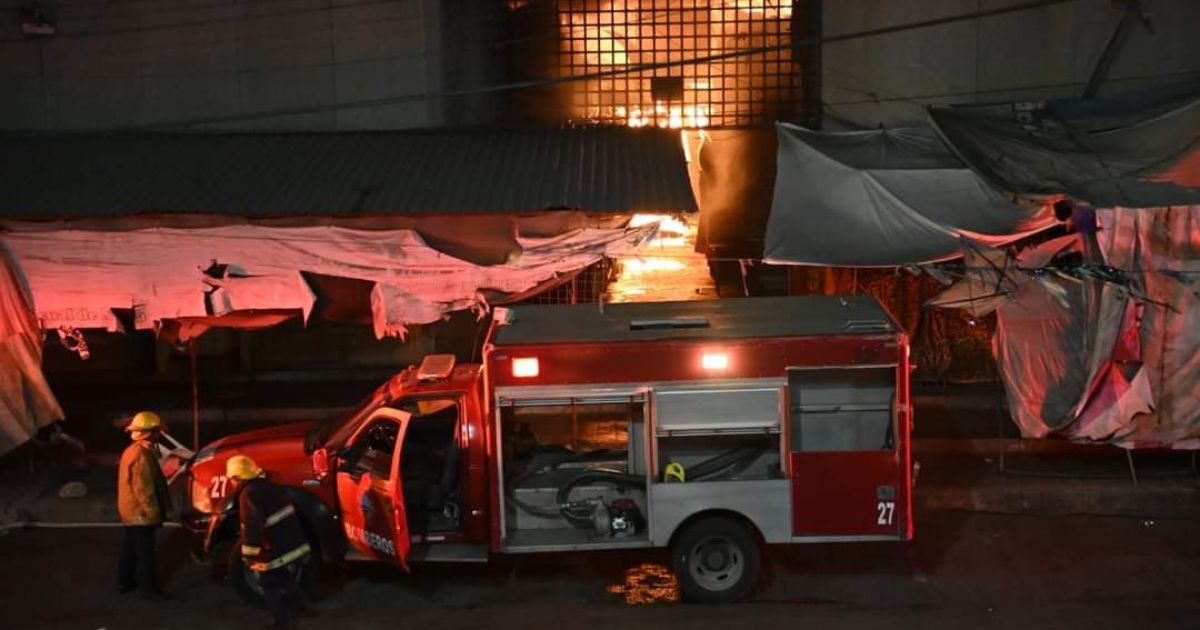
(575, 466)
(576, 471)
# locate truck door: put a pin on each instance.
(848, 452)
(369, 488)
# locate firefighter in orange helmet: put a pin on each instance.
(143, 501)
(273, 542)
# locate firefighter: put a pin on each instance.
(143, 502)
(273, 543)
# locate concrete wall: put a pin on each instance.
(1029, 55)
(127, 63)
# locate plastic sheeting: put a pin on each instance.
(1136, 151)
(1090, 358)
(1161, 249)
(26, 402)
(883, 198)
(78, 276)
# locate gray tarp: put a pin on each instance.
(1135, 151)
(882, 198)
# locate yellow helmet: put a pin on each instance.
(145, 421)
(242, 467)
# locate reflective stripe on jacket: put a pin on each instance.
(142, 495)
(271, 533)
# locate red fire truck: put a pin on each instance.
(708, 427)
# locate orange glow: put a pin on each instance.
(638, 266)
(525, 367)
(667, 224)
(667, 267)
(605, 35)
(765, 8)
(667, 116)
(715, 361)
(647, 584)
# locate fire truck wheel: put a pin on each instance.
(716, 560)
(246, 583)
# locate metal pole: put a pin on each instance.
(574, 427)
(1133, 13)
(195, 396)
(1000, 428)
(1132, 469)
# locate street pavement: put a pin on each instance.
(964, 571)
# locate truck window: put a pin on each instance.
(846, 409)
(372, 451)
(340, 430)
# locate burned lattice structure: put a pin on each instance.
(691, 63)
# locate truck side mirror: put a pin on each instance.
(322, 463)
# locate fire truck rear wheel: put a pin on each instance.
(716, 560)
(246, 583)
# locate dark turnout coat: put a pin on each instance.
(271, 533)
(142, 495)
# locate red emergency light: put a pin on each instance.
(525, 367)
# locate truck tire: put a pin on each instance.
(716, 560)
(246, 584)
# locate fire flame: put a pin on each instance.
(666, 116)
(667, 267)
(615, 34)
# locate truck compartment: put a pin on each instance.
(842, 409)
(574, 473)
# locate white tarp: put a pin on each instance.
(78, 276)
(1160, 249)
(1104, 352)
(26, 402)
(883, 198)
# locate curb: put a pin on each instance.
(1167, 501)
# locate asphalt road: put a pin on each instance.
(964, 571)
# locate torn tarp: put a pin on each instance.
(1103, 351)
(1136, 151)
(1160, 249)
(883, 198)
(77, 277)
(26, 402)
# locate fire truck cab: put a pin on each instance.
(708, 427)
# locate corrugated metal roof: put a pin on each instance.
(418, 172)
(737, 318)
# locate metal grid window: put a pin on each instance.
(744, 91)
(584, 288)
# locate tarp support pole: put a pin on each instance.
(195, 396)
(1132, 468)
(1133, 11)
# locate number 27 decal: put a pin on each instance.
(218, 486)
(887, 512)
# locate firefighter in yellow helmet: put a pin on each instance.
(273, 543)
(143, 501)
